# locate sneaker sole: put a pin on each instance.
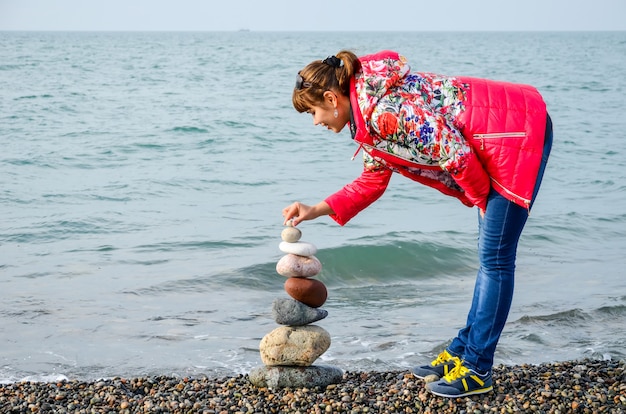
(465, 394)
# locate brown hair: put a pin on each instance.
(319, 77)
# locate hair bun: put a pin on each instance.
(333, 61)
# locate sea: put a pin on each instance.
(143, 175)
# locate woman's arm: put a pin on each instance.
(359, 194)
(300, 212)
(345, 203)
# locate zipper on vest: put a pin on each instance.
(483, 137)
(512, 194)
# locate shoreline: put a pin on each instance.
(585, 386)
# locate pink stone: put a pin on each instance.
(292, 265)
(311, 292)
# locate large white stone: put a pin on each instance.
(300, 248)
(294, 345)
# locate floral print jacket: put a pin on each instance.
(415, 120)
(418, 124)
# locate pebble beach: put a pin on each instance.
(586, 386)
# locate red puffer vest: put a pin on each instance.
(505, 123)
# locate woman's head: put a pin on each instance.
(325, 84)
(330, 74)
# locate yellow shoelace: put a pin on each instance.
(442, 358)
(459, 371)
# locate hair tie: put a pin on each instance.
(333, 61)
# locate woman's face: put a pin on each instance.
(324, 113)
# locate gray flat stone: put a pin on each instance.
(288, 311)
(295, 377)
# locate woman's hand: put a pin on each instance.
(300, 212)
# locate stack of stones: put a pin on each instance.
(289, 351)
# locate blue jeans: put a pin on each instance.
(498, 234)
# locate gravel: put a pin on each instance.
(586, 386)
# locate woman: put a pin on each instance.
(483, 142)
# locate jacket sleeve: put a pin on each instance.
(356, 196)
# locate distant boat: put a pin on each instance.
(244, 30)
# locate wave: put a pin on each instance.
(56, 230)
(366, 265)
(352, 265)
(575, 317)
(392, 262)
(587, 333)
(166, 247)
(572, 317)
(190, 129)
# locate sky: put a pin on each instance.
(320, 15)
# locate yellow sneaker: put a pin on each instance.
(461, 381)
(441, 366)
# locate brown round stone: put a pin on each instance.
(311, 292)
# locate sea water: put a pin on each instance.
(143, 177)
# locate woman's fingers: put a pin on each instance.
(291, 212)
